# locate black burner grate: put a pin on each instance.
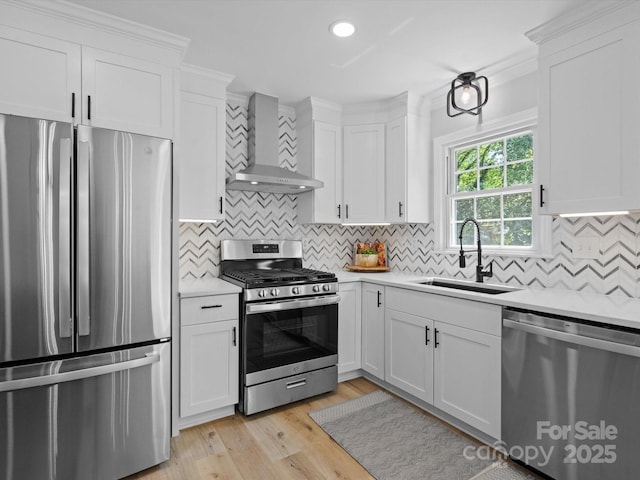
(276, 275)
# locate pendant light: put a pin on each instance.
(468, 94)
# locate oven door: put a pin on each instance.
(288, 337)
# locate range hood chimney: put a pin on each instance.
(264, 173)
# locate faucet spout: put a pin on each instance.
(480, 271)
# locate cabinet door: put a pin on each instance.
(349, 327)
(589, 121)
(373, 329)
(125, 93)
(409, 353)
(201, 154)
(208, 366)
(364, 194)
(40, 76)
(396, 171)
(327, 153)
(467, 376)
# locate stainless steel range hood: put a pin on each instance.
(264, 173)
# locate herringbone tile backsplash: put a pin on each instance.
(410, 247)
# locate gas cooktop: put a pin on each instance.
(277, 276)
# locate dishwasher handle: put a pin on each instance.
(573, 338)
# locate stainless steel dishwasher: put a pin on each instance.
(571, 396)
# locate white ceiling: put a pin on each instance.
(283, 47)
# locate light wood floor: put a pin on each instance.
(281, 444)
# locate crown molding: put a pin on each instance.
(577, 17)
(214, 75)
(92, 19)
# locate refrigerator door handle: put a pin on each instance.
(64, 245)
(41, 381)
(84, 257)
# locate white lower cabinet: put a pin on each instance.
(409, 354)
(349, 327)
(209, 358)
(467, 376)
(373, 329)
(447, 352)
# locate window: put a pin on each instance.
(492, 182)
(488, 173)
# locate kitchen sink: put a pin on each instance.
(489, 288)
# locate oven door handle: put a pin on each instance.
(292, 304)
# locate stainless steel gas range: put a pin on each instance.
(289, 323)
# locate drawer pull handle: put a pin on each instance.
(300, 383)
(204, 307)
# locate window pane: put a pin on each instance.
(520, 173)
(468, 236)
(492, 154)
(466, 159)
(464, 209)
(491, 178)
(517, 205)
(490, 233)
(489, 207)
(517, 233)
(520, 148)
(466, 182)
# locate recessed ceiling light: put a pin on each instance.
(342, 28)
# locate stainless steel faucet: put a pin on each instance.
(480, 272)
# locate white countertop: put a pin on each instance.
(609, 309)
(206, 286)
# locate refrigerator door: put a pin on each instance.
(123, 238)
(99, 417)
(35, 238)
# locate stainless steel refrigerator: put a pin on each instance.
(85, 324)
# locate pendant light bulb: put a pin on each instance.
(466, 96)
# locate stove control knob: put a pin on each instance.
(295, 290)
(275, 292)
(316, 288)
(262, 293)
(326, 288)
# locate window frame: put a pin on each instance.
(444, 174)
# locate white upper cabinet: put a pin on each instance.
(83, 67)
(124, 93)
(364, 170)
(407, 166)
(589, 113)
(319, 142)
(41, 76)
(372, 158)
(200, 144)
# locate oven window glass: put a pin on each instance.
(274, 339)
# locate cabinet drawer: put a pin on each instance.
(212, 308)
(478, 316)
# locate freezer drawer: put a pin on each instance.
(108, 417)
